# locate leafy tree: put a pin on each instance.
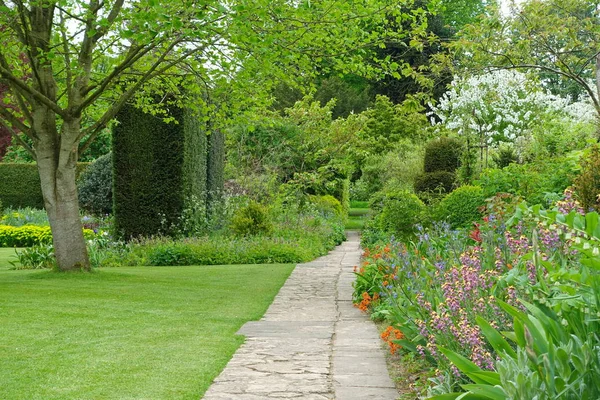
(87, 59)
(560, 40)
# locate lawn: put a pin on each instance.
(357, 215)
(126, 333)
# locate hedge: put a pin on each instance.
(443, 154)
(29, 235)
(154, 164)
(20, 185)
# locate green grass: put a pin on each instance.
(6, 254)
(359, 204)
(355, 223)
(356, 217)
(125, 333)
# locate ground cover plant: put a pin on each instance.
(126, 333)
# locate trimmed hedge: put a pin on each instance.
(154, 164)
(443, 154)
(29, 235)
(20, 185)
(215, 176)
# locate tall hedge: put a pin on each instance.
(215, 173)
(154, 171)
(20, 185)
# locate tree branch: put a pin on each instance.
(16, 136)
(14, 121)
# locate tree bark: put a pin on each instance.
(57, 163)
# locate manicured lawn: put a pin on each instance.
(356, 216)
(6, 255)
(125, 333)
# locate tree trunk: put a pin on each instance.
(57, 162)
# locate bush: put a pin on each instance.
(29, 235)
(462, 207)
(400, 213)
(20, 185)
(432, 182)
(533, 181)
(95, 187)
(443, 154)
(251, 220)
(327, 204)
(587, 183)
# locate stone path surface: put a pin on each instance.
(312, 343)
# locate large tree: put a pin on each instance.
(557, 39)
(86, 59)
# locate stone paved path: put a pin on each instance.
(312, 343)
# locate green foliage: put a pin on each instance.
(39, 256)
(20, 184)
(328, 204)
(400, 213)
(533, 181)
(24, 236)
(151, 168)
(395, 170)
(387, 123)
(215, 177)
(587, 183)
(29, 235)
(462, 207)
(443, 154)
(95, 187)
(251, 220)
(435, 182)
(24, 216)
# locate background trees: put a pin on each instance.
(87, 60)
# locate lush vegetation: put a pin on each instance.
(132, 332)
(460, 136)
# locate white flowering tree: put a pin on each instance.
(502, 106)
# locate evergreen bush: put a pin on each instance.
(95, 187)
(158, 169)
(462, 207)
(20, 185)
(443, 154)
(435, 182)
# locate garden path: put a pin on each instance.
(312, 343)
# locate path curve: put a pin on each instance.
(312, 343)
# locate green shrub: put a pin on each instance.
(95, 187)
(587, 183)
(443, 154)
(327, 204)
(533, 181)
(20, 185)
(400, 213)
(462, 207)
(251, 220)
(39, 256)
(29, 235)
(435, 182)
(158, 167)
